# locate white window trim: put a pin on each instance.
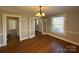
(64, 24)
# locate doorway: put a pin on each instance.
(41, 26)
(38, 27)
(12, 30)
(44, 31)
(8, 30)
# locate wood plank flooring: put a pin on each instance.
(39, 44)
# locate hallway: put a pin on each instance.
(12, 39)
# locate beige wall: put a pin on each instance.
(71, 25)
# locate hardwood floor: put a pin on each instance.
(39, 44)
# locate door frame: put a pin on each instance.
(43, 27)
(4, 20)
(32, 18)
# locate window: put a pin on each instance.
(58, 24)
(12, 24)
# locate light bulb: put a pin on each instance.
(43, 14)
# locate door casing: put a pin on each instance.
(4, 20)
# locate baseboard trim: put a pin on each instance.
(1, 45)
(32, 36)
(27, 37)
(65, 39)
(24, 38)
(44, 33)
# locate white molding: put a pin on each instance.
(73, 32)
(1, 45)
(64, 24)
(27, 37)
(32, 36)
(43, 27)
(24, 38)
(30, 26)
(2, 42)
(65, 39)
(5, 27)
(44, 33)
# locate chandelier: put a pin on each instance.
(40, 13)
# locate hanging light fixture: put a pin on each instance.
(40, 13)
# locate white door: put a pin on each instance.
(44, 26)
(32, 27)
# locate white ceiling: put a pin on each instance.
(49, 10)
